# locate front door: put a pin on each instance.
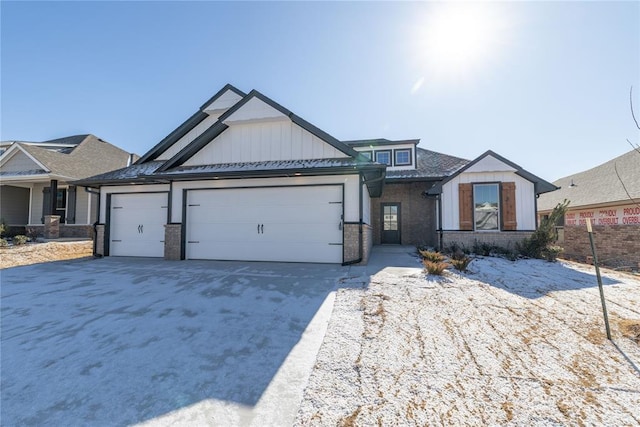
(390, 223)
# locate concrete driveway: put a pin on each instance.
(121, 341)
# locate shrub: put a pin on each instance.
(550, 253)
(483, 248)
(435, 268)
(541, 239)
(20, 240)
(3, 242)
(432, 256)
(3, 226)
(461, 264)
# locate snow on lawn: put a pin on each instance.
(518, 343)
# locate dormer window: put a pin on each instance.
(403, 157)
(384, 157)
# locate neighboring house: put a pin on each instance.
(35, 184)
(608, 195)
(246, 179)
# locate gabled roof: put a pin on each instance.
(598, 185)
(430, 166)
(88, 155)
(541, 186)
(185, 127)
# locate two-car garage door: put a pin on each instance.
(293, 224)
(289, 224)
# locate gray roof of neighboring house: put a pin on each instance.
(90, 155)
(598, 185)
(430, 165)
(376, 142)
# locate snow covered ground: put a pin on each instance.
(506, 344)
(121, 341)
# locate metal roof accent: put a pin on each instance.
(379, 142)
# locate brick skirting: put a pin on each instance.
(616, 245)
(466, 239)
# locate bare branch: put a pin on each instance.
(615, 167)
(635, 147)
(631, 104)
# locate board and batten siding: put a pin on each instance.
(188, 138)
(82, 206)
(20, 162)
(264, 141)
(366, 205)
(525, 198)
(351, 208)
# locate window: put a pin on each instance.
(367, 154)
(61, 199)
(486, 207)
(403, 157)
(384, 157)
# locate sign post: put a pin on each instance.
(595, 263)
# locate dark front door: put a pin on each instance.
(390, 223)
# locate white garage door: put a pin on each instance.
(137, 224)
(291, 224)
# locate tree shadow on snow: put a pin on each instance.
(532, 278)
(121, 341)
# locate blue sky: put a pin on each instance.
(545, 84)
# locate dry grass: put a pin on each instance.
(36, 253)
(630, 328)
(435, 268)
(431, 256)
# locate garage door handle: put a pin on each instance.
(262, 228)
(258, 228)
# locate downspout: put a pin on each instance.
(440, 237)
(95, 224)
(360, 234)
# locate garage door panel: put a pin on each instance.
(299, 224)
(137, 224)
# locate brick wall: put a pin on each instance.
(65, 230)
(172, 241)
(351, 247)
(616, 245)
(468, 238)
(417, 213)
(99, 239)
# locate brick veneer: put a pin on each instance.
(99, 239)
(65, 230)
(172, 241)
(351, 247)
(417, 213)
(616, 245)
(504, 239)
(51, 226)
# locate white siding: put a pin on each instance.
(19, 162)
(255, 109)
(366, 205)
(490, 164)
(351, 208)
(525, 198)
(255, 142)
(188, 138)
(126, 189)
(223, 103)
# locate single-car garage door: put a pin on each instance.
(290, 224)
(136, 224)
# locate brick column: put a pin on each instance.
(99, 239)
(173, 242)
(51, 226)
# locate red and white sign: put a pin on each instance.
(621, 215)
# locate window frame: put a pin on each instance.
(402, 150)
(499, 207)
(65, 199)
(368, 153)
(389, 152)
